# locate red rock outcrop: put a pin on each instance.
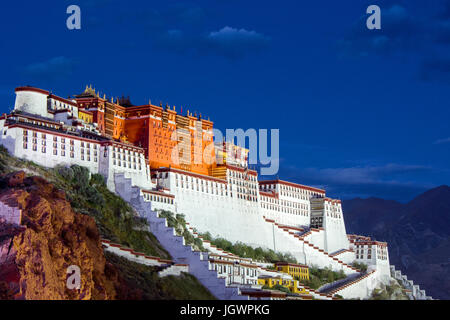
(34, 256)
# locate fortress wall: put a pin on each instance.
(335, 234)
(317, 238)
(346, 257)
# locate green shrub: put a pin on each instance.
(98, 180)
(319, 277)
(280, 288)
(242, 250)
(360, 266)
(65, 172)
(178, 222)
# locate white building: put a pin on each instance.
(287, 202)
(40, 130)
(327, 213)
(160, 200)
(120, 157)
(372, 253)
(234, 269)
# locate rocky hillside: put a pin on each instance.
(418, 234)
(51, 238)
(64, 213)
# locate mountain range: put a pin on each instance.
(418, 235)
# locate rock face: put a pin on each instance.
(35, 255)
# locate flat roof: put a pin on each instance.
(291, 184)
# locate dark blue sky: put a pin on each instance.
(361, 113)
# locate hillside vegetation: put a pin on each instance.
(89, 195)
(140, 282)
(115, 220)
(242, 250)
(319, 277)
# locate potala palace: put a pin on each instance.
(139, 151)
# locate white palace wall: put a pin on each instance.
(335, 233)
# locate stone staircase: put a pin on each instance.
(352, 287)
(412, 291)
(174, 244)
(336, 285)
(317, 255)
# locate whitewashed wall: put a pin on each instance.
(32, 102)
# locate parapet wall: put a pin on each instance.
(360, 288)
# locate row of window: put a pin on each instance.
(290, 191)
(120, 156)
(124, 165)
(126, 151)
(272, 207)
(235, 269)
(61, 152)
(157, 198)
(241, 175)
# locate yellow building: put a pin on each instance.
(294, 286)
(86, 116)
(270, 281)
(295, 270)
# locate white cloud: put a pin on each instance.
(441, 141)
